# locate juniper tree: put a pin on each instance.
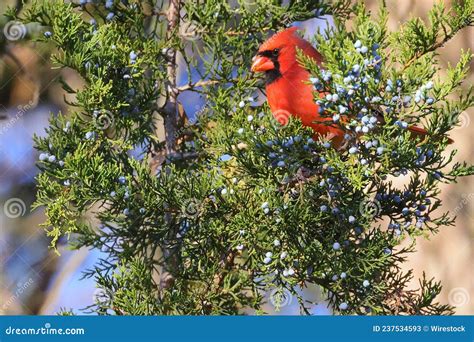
(230, 205)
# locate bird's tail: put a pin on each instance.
(420, 132)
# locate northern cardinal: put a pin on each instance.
(288, 89)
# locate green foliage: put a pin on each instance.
(416, 39)
(241, 206)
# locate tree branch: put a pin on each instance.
(204, 83)
(226, 264)
(171, 107)
(201, 83)
(171, 122)
(432, 48)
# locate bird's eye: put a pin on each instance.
(275, 52)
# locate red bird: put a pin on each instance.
(289, 91)
(287, 82)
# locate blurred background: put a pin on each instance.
(36, 280)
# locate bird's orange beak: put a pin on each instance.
(261, 64)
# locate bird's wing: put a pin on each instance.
(310, 51)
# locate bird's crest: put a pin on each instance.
(289, 38)
(280, 38)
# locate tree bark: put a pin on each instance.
(169, 249)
